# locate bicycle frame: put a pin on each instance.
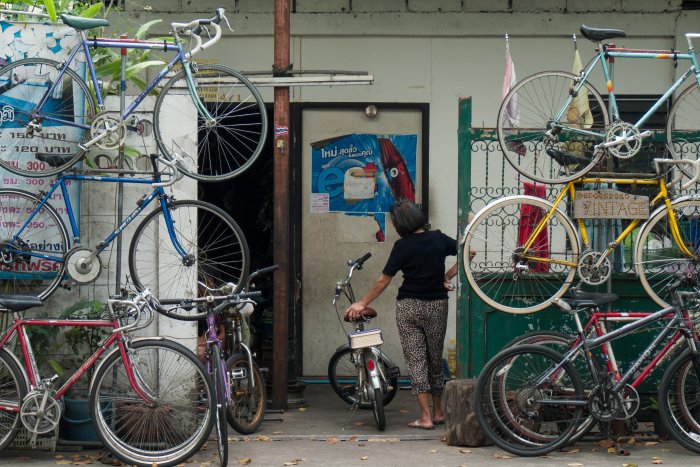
(605, 53)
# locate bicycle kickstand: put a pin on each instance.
(353, 409)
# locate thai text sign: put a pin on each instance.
(610, 204)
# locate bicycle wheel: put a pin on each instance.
(216, 253)
(168, 430)
(658, 256)
(378, 408)
(227, 144)
(506, 275)
(544, 140)
(683, 124)
(342, 374)
(218, 376)
(13, 389)
(520, 408)
(37, 142)
(33, 249)
(247, 405)
(679, 401)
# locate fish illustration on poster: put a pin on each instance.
(362, 173)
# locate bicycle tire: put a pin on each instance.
(682, 125)
(167, 432)
(658, 256)
(72, 102)
(508, 410)
(224, 149)
(493, 257)
(378, 408)
(222, 401)
(679, 400)
(216, 247)
(13, 390)
(527, 127)
(22, 272)
(246, 409)
(342, 375)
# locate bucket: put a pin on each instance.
(76, 422)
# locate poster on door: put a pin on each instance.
(362, 173)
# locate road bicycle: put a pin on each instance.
(238, 381)
(525, 251)
(51, 117)
(554, 126)
(176, 245)
(151, 400)
(359, 372)
(531, 399)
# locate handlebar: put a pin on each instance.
(694, 165)
(195, 28)
(139, 304)
(352, 264)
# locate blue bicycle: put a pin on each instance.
(175, 247)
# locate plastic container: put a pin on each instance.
(452, 358)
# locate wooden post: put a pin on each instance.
(280, 339)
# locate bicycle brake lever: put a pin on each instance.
(228, 25)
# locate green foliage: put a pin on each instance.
(83, 341)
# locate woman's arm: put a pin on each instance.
(354, 310)
(449, 275)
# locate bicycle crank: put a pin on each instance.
(623, 140)
(83, 265)
(594, 268)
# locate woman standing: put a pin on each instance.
(421, 304)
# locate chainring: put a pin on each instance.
(100, 124)
(590, 273)
(627, 139)
(604, 404)
(29, 413)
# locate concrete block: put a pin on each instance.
(654, 6)
(485, 5)
(461, 427)
(251, 6)
(538, 6)
(581, 6)
(434, 5)
(361, 6)
(322, 6)
(207, 7)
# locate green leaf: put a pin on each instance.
(133, 69)
(50, 9)
(56, 367)
(131, 151)
(92, 11)
(141, 33)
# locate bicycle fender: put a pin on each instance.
(375, 350)
(20, 365)
(374, 376)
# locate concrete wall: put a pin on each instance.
(434, 52)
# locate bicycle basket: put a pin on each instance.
(362, 339)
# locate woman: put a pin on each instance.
(421, 304)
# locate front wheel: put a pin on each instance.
(342, 375)
(13, 389)
(679, 400)
(516, 259)
(221, 425)
(545, 139)
(178, 418)
(683, 124)
(658, 256)
(214, 252)
(378, 408)
(246, 408)
(216, 148)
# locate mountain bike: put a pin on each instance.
(554, 126)
(530, 399)
(240, 387)
(51, 117)
(359, 372)
(175, 246)
(151, 400)
(525, 251)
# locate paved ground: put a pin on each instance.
(314, 436)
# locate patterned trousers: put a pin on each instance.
(422, 325)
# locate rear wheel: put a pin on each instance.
(13, 389)
(221, 424)
(378, 408)
(679, 401)
(248, 401)
(342, 375)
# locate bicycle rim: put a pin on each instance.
(223, 147)
(247, 404)
(24, 271)
(679, 397)
(219, 373)
(13, 389)
(528, 130)
(502, 272)
(217, 253)
(378, 408)
(658, 256)
(683, 125)
(53, 142)
(165, 432)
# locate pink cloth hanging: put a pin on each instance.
(530, 216)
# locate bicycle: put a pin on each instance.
(238, 381)
(151, 400)
(525, 251)
(51, 116)
(174, 246)
(531, 399)
(359, 372)
(554, 126)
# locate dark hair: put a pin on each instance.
(407, 217)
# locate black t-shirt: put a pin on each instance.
(421, 258)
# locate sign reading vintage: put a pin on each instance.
(610, 204)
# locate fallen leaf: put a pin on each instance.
(433, 451)
(573, 451)
(665, 450)
(575, 464)
(612, 450)
(657, 462)
(58, 456)
(63, 462)
(352, 438)
(245, 461)
(364, 458)
(263, 438)
(651, 443)
(631, 440)
(302, 409)
(403, 411)
(276, 432)
(294, 462)
(605, 443)
(332, 440)
(358, 423)
(501, 456)
(465, 451)
(629, 465)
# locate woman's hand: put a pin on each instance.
(354, 311)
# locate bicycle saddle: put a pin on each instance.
(581, 299)
(78, 22)
(597, 35)
(18, 302)
(566, 158)
(367, 313)
(54, 160)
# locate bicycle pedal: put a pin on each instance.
(238, 373)
(393, 372)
